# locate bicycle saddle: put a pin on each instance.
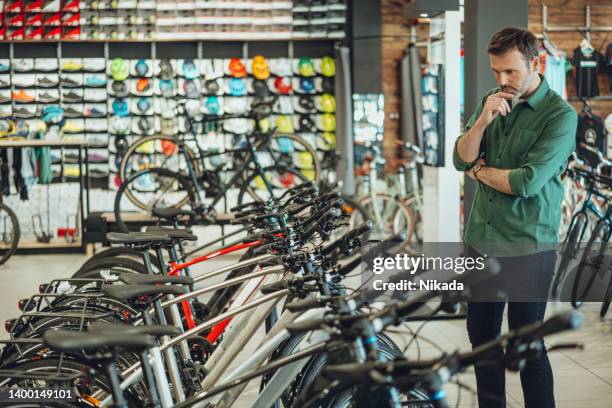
(156, 330)
(127, 292)
(171, 213)
(137, 238)
(67, 340)
(174, 233)
(132, 278)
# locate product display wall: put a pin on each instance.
(171, 19)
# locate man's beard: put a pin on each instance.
(520, 91)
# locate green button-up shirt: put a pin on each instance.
(534, 140)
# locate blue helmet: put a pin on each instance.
(212, 105)
(237, 87)
(120, 107)
(52, 114)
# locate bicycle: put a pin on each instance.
(265, 161)
(10, 232)
(590, 208)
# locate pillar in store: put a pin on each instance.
(441, 184)
(482, 19)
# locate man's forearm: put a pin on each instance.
(468, 146)
(497, 179)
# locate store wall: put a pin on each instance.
(572, 13)
(395, 35)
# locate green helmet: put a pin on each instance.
(119, 69)
(328, 67)
(306, 67)
(284, 124)
(327, 103)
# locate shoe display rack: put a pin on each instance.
(171, 20)
(109, 102)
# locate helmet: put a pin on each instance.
(326, 103)
(190, 70)
(281, 67)
(284, 105)
(326, 122)
(168, 126)
(327, 84)
(237, 68)
(260, 88)
(306, 67)
(236, 105)
(119, 69)
(305, 104)
(166, 87)
(191, 89)
(283, 124)
(119, 88)
(143, 85)
(167, 107)
(212, 105)
(259, 67)
(282, 85)
(165, 69)
(328, 67)
(212, 86)
(237, 125)
(52, 114)
(120, 107)
(305, 124)
(329, 140)
(237, 87)
(141, 68)
(307, 85)
(143, 105)
(119, 125)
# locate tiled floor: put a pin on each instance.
(582, 378)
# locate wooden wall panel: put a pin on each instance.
(395, 35)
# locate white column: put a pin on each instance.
(441, 185)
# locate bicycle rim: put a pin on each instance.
(568, 253)
(9, 233)
(590, 265)
(389, 216)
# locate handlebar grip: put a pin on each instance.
(333, 195)
(304, 326)
(305, 304)
(337, 203)
(349, 267)
(325, 218)
(352, 234)
(247, 205)
(275, 286)
(564, 321)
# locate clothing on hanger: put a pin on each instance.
(587, 65)
(592, 132)
(609, 56)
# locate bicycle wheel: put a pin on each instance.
(389, 216)
(280, 178)
(152, 188)
(155, 151)
(9, 233)
(411, 202)
(568, 252)
(607, 298)
(583, 282)
(288, 151)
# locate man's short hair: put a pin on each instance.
(509, 38)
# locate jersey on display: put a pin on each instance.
(591, 131)
(554, 69)
(586, 64)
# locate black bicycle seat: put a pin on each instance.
(67, 340)
(156, 330)
(127, 292)
(132, 278)
(138, 238)
(171, 213)
(173, 233)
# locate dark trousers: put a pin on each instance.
(484, 321)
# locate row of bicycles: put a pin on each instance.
(585, 265)
(135, 327)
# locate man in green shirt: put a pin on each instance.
(516, 146)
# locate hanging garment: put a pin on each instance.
(609, 55)
(592, 132)
(17, 176)
(587, 64)
(28, 165)
(4, 172)
(555, 69)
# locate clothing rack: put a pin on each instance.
(586, 28)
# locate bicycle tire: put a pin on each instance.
(115, 263)
(132, 150)
(16, 235)
(251, 178)
(177, 180)
(578, 295)
(607, 298)
(398, 209)
(124, 252)
(567, 252)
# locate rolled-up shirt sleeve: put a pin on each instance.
(459, 163)
(547, 157)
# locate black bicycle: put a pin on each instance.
(259, 163)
